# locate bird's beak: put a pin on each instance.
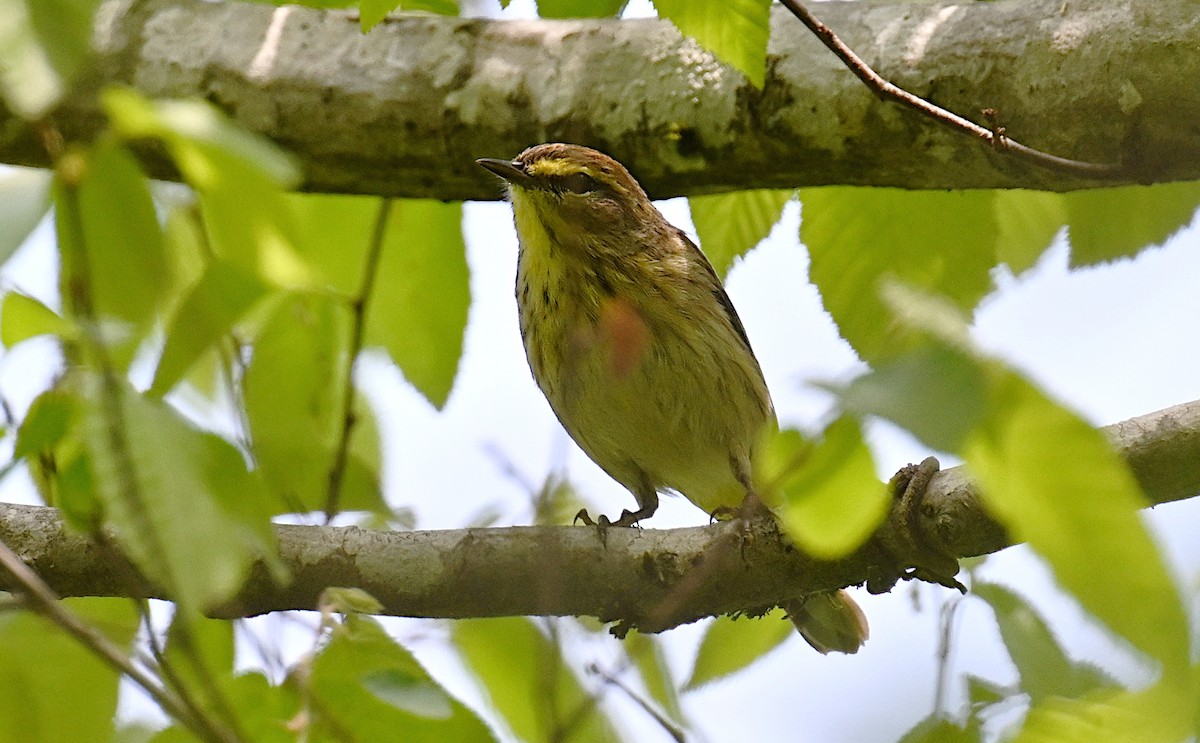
(509, 170)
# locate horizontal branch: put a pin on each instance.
(406, 109)
(652, 579)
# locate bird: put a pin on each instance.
(635, 344)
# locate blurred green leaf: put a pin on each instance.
(240, 179)
(43, 45)
(222, 296)
(55, 689)
(940, 242)
(580, 8)
(937, 729)
(336, 231)
(1055, 482)
(200, 653)
(22, 317)
(412, 694)
(24, 200)
(730, 645)
(1110, 223)
(1028, 222)
(356, 680)
(1164, 713)
(110, 241)
(418, 308)
(294, 387)
(730, 225)
(46, 424)
(345, 600)
(935, 391)
(833, 499)
(646, 653)
(183, 506)
(530, 686)
(982, 692)
(1043, 665)
(735, 31)
(371, 12)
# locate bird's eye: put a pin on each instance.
(580, 183)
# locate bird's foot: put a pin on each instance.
(904, 539)
(628, 519)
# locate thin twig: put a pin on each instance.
(358, 305)
(995, 137)
(666, 723)
(43, 600)
(949, 611)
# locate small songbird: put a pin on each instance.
(639, 350)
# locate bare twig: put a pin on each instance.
(40, 598)
(994, 136)
(358, 306)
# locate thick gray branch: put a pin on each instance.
(406, 109)
(649, 578)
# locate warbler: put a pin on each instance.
(638, 349)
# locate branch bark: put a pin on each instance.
(651, 579)
(406, 109)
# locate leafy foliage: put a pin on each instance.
(259, 302)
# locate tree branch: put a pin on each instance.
(405, 110)
(635, 578)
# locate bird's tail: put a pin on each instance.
(830, 621)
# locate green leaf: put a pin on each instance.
(1028, 222)
(531, 688)
(240, 179)
(294, 390)
(361, 674)
(336, 232)
(46, 424)
(734, 30)
(24, 200)
(348, 601)
(49, 442)
(1056, 483)
(646, 653)
(832, 499)
(1161, 714)
(936, 392)
(222, 296)
(1110, 223)
(405, 692)
(371, 12)
(580, 8)
(940, 242)
(55, 689)
(111, 242)
(182, 504)
(22, 317)
(730, 225)
(937, 729)
(418, 309)
(43, 45)
(730, 645)
(200, 653)
(1044, 667)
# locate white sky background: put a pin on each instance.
(1113, 342)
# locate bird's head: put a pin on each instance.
(578, 197)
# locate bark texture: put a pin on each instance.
(406, 109)
(651, 579)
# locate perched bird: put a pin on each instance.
(638, 349)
